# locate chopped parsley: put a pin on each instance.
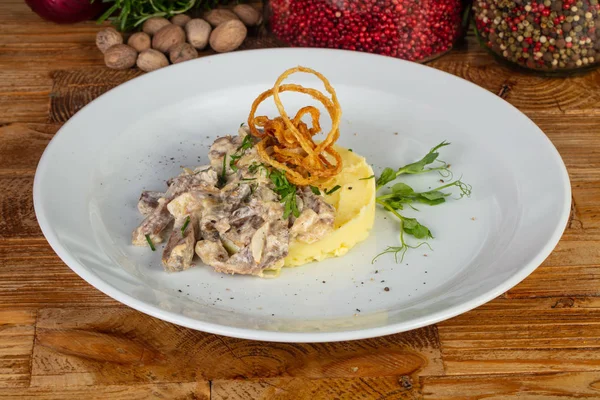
(286, 191)
(239, 153)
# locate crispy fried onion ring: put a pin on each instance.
(287, 144)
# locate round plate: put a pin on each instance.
(138, 135)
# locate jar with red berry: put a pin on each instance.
(415, 30)
(546, 36)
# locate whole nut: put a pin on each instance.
(150, 60)
(180, 19)
(154, 24)
(167, 37)
(139, 41)
(120, 56)
(248, 14)
(198, 31)
(228, 36)
(107, 38)
(217, 16)
(182, 52)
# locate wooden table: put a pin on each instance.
(60, 338)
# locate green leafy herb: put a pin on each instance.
(128, 14)
(402, 195)
(351, 151)
(407, 225)
(185, 225)
(246, 143)
(367, 178)
(387, 175)
(333, 190)
(315, 190)
(414, 228)
(247, 179)
(150, 243)
(254, 167)
(242, 124)
(239, 153)
(418, 167)
(286, 191)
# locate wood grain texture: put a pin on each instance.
(22, 145)
(32, 275)
(538, 335)
(573, 268)
(577, 141)
(62, 339)
(72, 90)
(534, 95)
(17, 329)
(16, 207)
(174, 391)
(397, 388)
(120, 345)
(555, 386)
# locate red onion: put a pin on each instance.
(66, 11)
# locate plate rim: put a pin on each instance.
(298, 337)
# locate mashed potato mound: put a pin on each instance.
(355, 212)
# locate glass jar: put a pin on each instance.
(550, 36)
(415, 30)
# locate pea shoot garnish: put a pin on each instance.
(402, 195)
(419, 167)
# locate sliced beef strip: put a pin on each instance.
(156, 222)
(148, 202)
(211, 252)
(277, 244)
(179, 250)
(226, 145)
(315, 220)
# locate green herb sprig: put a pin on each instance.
(402, 195)
(315, 190)
(286, 191)
(129, 14)
(419, 167)
(239, 153)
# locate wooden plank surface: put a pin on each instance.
(62, 339)
(120, 345)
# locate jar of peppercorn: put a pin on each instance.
(415, 30)
(549, 36)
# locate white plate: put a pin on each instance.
(137, 135)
